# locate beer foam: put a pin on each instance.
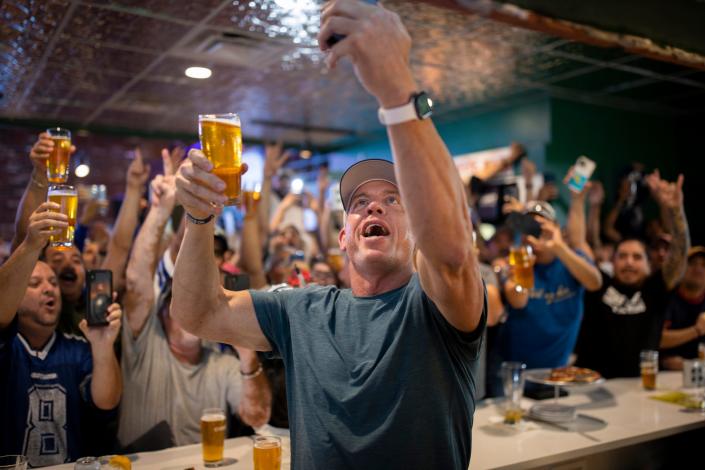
(266, 445)
(61, 192)
(225, 122)
(213, 417)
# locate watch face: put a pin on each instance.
(424, 105)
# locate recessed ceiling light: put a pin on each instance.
(198, 72)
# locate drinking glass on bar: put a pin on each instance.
(65, 196)
(521, 259)
(221, 142)
(58, 161)
(513, 383)
(649, 369)
(267, 453)
(13, 462)
(213, 436)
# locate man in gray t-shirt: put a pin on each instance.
(378, 376)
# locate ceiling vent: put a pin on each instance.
(238, 48)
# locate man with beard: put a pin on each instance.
(626, 315)
(67, 263)
(367, 367)
(684, 324)
(53, 384)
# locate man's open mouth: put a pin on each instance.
(68, 275)
(375, 230)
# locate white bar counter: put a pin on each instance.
(631, 418)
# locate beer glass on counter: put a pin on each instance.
(267, 453)
(65, 196)
(58, 161)
(521, 259)
(513, 384)
(213, 436)
(221, 142)
(649, 369)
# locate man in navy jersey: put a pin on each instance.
(52, 383)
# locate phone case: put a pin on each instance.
(582, 171)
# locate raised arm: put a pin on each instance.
(106, 383)
(198, 301)
(576, 225)
(126, 222)
(36, 191)
(439, 220)
(610, 228)
(139, 296)
(596, 197)
(669, 197)
(251, 247)
(581, 269)
(17, 270)
(274, 159)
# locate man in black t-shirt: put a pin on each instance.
(626, 315)
(684, 324)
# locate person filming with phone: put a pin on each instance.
(51, 382)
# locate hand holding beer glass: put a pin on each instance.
(221, 142)
(213, 436)
(59, 159)
(66, 198)
(267, 453)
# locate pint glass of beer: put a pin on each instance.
(649, 369)
(221, 142)
(58, 161)
(521, 259)
(267, 453)
(213, 435)
(65, 196)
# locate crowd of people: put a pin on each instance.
(305, 329)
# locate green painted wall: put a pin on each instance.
(529, 124)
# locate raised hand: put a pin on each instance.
(274, 158)
(554, 241)
(103, 337)
(596, 194)
(667, 195)
(41, 150)
(44, 222)
(197, 189)
(137, 172)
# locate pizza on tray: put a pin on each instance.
(573, 374)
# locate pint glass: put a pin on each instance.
(65, 196)
(213, 435)
(58, 161)
(649, 369)
(267, 453)
(521, 259)
(221, 142)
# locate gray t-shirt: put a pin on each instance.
(157, 387)
(372, 382)
(490, 279)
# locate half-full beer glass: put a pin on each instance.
(649, 368)
(213, 436)
(221, 142)
(65, 196)
(58, 161)
(267, 453)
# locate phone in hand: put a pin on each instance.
(336, 38)
(582, 171)
(100, 296)
(236, 282)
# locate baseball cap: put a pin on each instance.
(541, 208)
(373, 169)
(696, 250)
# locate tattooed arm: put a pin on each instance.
(669, 197)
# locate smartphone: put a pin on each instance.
(237, 282)
(582, 171)
(336, 38)
(297, 186)
(100, 296)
